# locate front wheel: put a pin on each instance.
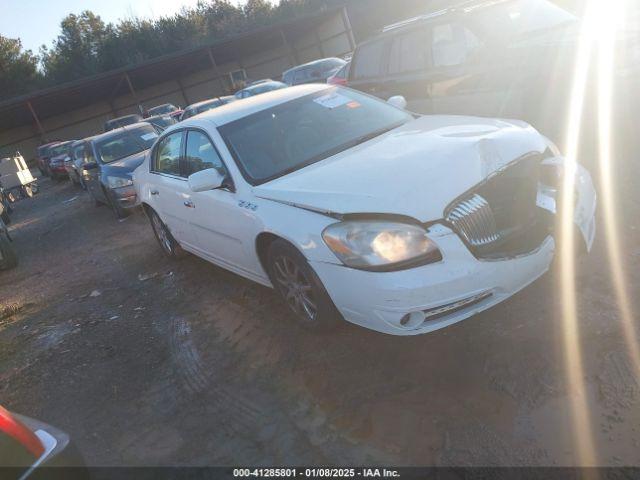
(8, 257)
(27, 191)
(116, 207)
(169, 245)
(300, 287)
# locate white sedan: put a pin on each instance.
(354, 208)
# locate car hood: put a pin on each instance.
(125, 166)
(415, 170)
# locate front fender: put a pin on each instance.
(585, 199)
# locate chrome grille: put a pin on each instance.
(474, 219)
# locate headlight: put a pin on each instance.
(118, 182)
(379, 245)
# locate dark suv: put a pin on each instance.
(502, 58)
(317, 71)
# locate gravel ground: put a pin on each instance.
(147, 361)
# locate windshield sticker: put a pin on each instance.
(149, 136)
(332, 100)
(353, 104)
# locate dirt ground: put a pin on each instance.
(147, 361)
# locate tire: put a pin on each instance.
(8, 257)
(115, 207)
(27, 191)
(168, 244)
(300, 287)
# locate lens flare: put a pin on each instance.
(573, 362)
(606, 62)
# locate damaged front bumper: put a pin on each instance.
(430, 297)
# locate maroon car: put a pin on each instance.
(165, 109)
(43, 157)
(57, 156)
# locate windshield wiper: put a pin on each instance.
(370, 136)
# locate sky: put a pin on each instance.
(37, 22)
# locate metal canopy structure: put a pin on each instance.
(32, 108)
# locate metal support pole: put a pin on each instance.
(182, 91)
(133, 92)
(319, 42)
(217, 70)
(291, 52)
(37, 120)
(347, 25)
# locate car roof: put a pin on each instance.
(236, 110)
(124, 116)
(310, 64)
(461, 8)
(258, 86)
(204, 102)
(115, 131)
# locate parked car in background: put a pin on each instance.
(258, 88)
(8, 257)
(59, 154)
(291, 189)
(317, 71)
(5, 207)
(205, 105)
(341, 76)
(162, 121)
(110, 158)
(74, 164)
(31, 449)
(43, 157)
(164, 110)
(483, 58)
(122, 121)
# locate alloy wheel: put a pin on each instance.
(162, 233)
(295, 287)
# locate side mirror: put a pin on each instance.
(209, 179)
(398, 101)
(90, 166)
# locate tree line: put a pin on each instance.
(87, 45)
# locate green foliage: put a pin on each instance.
(18, 68)
(87, 46)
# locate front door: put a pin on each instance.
(220, 223)
(170, 193)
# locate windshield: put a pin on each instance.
(519, 18)
(285, 138)
(162, 121)
(125, 143)
(159, 110)
(62, 149)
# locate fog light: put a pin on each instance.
(412, 320)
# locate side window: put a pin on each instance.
(167, 154)
(452, 45)
(89, 157)
(201, 154)
(370, 60)
(78, 154)
(409, 52)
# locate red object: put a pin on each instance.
(176, 114)
(16, 430)
(337, 81)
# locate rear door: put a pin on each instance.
(408, 70)
(170, 191)
(369, 67)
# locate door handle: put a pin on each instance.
(154, 192)
(189, 204)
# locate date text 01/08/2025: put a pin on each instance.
(315, 473)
